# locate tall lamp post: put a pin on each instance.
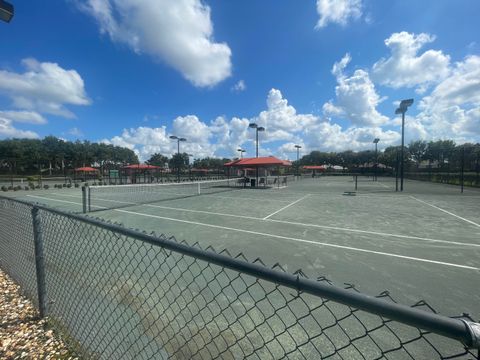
(375, 141)
(241, 151)
(6, 11)
(190, 166)
(257, 129)
(402, 109)
(298, 157)
(173, 137)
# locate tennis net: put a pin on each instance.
(97, 198)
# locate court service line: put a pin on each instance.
(63, 201)
(302, 240)
(326, 227)
(385, 186)
(283, 208)
(445, 211)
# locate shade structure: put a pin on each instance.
(86, 169)
(141, 167)
(260, 161)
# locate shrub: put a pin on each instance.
(69, 186)
(32, 178)
(37, 187)
(77, 185)
(64, 185)
(32, 185)
(16, 188)
(26, 188)
(46, 187)
(10, 187)
(4, 188)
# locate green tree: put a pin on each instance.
(157, 159)
(417, 150)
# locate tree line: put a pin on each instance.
(440, 154)
(54, 155)
(51, 154)
(184, 162)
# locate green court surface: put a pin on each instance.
(422, 244)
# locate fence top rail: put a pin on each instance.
(468, 332)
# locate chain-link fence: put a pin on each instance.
(119, 294)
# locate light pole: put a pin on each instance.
(173, 137)
(241, 151)
(298, 157)
(190, 166)
(6, 11)
(257, 128)
(375, 141)
(402, 109)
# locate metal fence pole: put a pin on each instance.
(84, 199)
(356, 182)
(39, 261)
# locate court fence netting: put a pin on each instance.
(104, 197)
(117, 293)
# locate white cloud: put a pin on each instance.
(356, 97)
(405, 68)
(284, 128)
(7, 130)
(452, 109)
(338, 11)
(178, 32)
(44, 87)
(75, 132)
(281, 119)
(329, 136)
(461, 87)
(28, 117)
(239, 86)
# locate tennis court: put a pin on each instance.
(423, 243)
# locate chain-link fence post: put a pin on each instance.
(39, 260)
(84, 199)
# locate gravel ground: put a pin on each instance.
(22, 334)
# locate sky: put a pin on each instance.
(323, 74)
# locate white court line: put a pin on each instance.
(326, 227)
(63, 201)
(283, 208)
(302, 240)
(204, 212)
(385, 186)
(447, 212)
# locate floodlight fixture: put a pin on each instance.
(173, 137)
(376, 140)
(6, 11)
(253, 125)
(404, 104)
(241, 151)
(182, 139)
(260, 128)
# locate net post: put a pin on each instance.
(39, 261)
(356, 182)
(84, 199)
(89, 199)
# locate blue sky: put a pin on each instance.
(324, 74)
